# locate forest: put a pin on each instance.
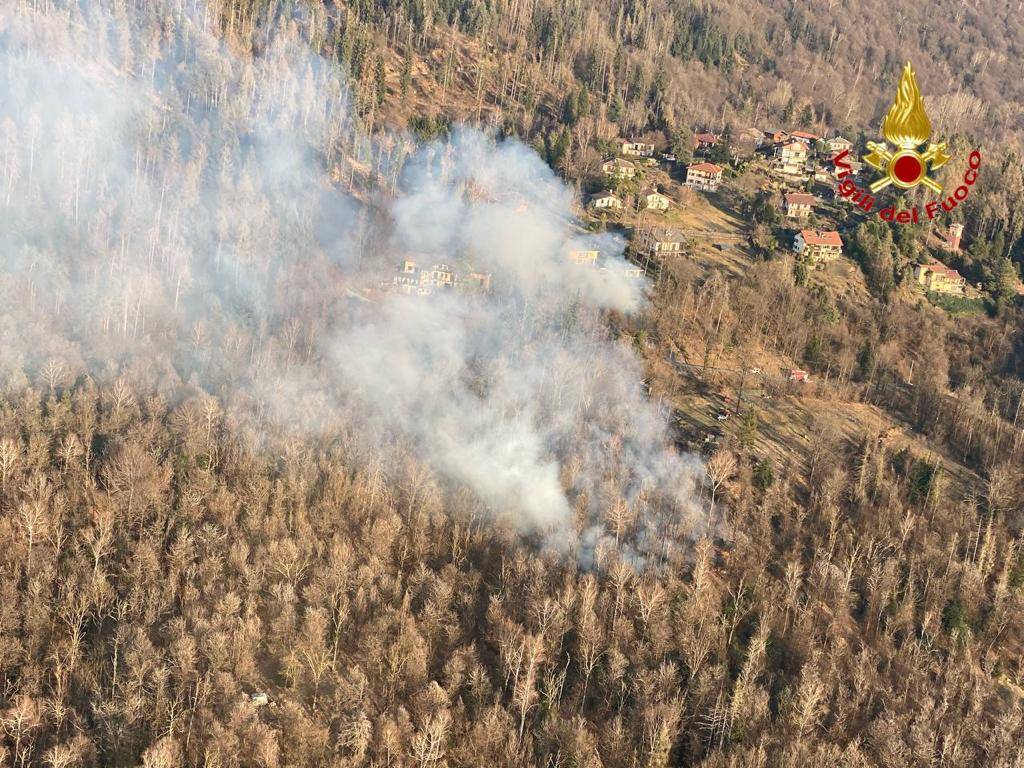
(257, 508)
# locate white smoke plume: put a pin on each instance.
(218, 223)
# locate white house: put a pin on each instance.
(652, 200)
(617, 168)
(605, 201)
(703, 176)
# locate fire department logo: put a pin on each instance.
(907, 128)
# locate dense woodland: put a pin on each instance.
(206, 497)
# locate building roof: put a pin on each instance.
(705, 167)
(604, 195)
(940, 268)
(800, 198)
(648, 191)
(705, 138)
(664, 234)
(794, 144)
(618, 161)
(804, 135)
(819, 237)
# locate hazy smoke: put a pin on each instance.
(175, 211)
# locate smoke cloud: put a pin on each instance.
(218, 224)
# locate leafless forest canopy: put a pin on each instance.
(255, 511)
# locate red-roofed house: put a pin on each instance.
(703, 176)
(702, 141)
(799, 205)
(772, 137)
(804, 136)
(791, 157)
(938, 278)
(818, 246)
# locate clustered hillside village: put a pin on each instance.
(660, 203)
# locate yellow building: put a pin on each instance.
(818, 246)
(583, 257)
(938, 278)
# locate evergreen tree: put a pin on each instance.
(721, 153)
(380, 81)
(406, 79)
(616, 108)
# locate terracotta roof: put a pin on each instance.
(804, 135)
(795, 143)
(706, 167)
(943, 269)
(706, 138)
(799, 198)
(812, 237)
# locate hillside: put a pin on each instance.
(696, 63)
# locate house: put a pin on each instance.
(799, 205)
(833, 171)
(818, 246)
(746, 142)
(704, 141)
(823, 175)
(790, 157)
(838, 144)
(804, 137)
(631, 272)
(652, 200)
(605, 201)
(617, 168)
(799, 375)
(938, 278)
(624, 269)
(703, 176)
(407, 280)
(660, 241)
(475, 281)
(634, 148)
(953, 235)
(583, 257)
(414, 280)
(772, 137)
